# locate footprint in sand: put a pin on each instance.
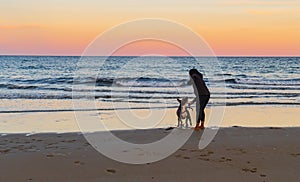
(206, 154)
(210, 152)
(78, 162)
(295, 155)
(49, 155)
(178, 156)
(204, 159)
(242, 151)
(111, 171)
(253, 170)
(4, 151)
(186, 157)
(224, 159)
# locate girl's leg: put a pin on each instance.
(197, 114)
(203, 102)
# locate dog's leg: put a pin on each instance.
(186, 122)
(189, 118)
(181, 122)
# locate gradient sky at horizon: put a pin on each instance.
(231, 27)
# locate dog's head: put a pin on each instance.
(183, 101)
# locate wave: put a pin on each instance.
(131, 91)
(58, 80)
(12, 86)
(231, 80)
(279, 82)
(150, 82)
(36, 96)
(224, 74)
(142, 97)
(275, 94)
(260, 103)
(264, 87)
(132, 82)
(65, 84)
(30, 67)
(247, 81)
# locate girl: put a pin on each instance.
(202, 96)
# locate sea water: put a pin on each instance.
(234, 81)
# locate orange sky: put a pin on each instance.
(231, 27)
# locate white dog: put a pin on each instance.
(183, 113)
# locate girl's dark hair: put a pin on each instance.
(195, 71)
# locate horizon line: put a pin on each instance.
(45, 55)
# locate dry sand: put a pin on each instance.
(236, 154)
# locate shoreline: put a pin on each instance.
(140, 130)
(66, 105)
(139, 108)
(65, 121)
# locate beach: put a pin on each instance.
(254, 143)
(237, 153)
(50, 120)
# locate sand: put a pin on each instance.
(236, 154)
(44, 143)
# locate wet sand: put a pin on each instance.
(58, 116)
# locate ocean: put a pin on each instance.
(236, 81)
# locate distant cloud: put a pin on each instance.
(261, 12)
(21, 27)
(263, 2)
(266, 7)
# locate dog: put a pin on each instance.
(183, 113)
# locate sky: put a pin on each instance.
(230, 27)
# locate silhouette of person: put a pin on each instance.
(202, 96)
